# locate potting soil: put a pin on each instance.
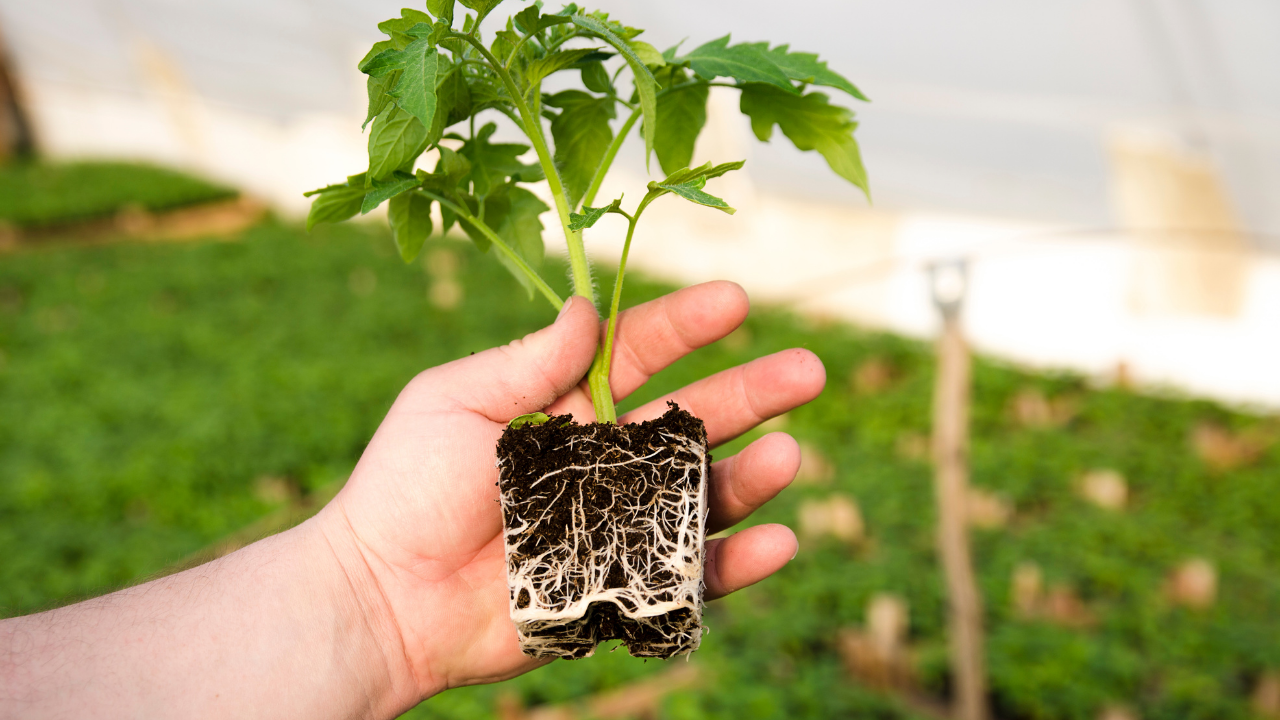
(604, 533)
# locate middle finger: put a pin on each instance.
(655, 334)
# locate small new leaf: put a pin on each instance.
(811, 123)
(692, 191)
(589, 215)
(688, 184)
(744, 62)
(535, 418)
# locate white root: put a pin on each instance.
(625, 527)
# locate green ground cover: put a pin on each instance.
(150, 394)
(38, 194)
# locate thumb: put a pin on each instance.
(525, 375)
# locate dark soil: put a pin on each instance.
(612, 510)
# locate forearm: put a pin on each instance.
(279, 629)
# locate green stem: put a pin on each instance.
(466, 216)
(598, 377)
(578, 264)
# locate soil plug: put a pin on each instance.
(604, 532)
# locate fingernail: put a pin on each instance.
(565, 308)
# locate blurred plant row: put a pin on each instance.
(37, 194)
(155, 399)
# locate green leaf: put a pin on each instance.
(582, 136)
(535, 418)
(811, 123)
(688, 183)
(647, 53)
(453, 104)
(692, 191)
(539, 69)
(745, 63)
(530, 20)
(707, 171)
(682, 114)
(384, 61)
(424, 30)
(670, 53)
(526, 21)
(378, 88)
(482, 8)
(336, 203)
(378, 48)
(513, 214)
(522, 230)
(408, 18)
(441, 9)
(410, 218)
(806, 67)
(379, 191)
(485, 93)
(416, 91)
(504, 42)
(596, 78)
(452, 165)
(589, 215)
(447, 220)
(492, 163)
(396, 140)
(646, 86)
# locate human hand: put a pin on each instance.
(418, 529)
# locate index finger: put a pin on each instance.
(655, 334)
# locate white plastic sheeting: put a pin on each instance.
(993, 126)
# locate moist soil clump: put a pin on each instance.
(604, 527)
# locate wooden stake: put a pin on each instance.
(950, 452)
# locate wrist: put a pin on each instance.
(392, 682)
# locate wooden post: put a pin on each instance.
(951, 473)
(16, 136)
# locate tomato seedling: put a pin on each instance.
(429, 82)
(604, 526)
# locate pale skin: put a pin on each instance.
(396, 590)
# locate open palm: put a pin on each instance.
(422, 504)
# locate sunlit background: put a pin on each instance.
(1107, 172)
